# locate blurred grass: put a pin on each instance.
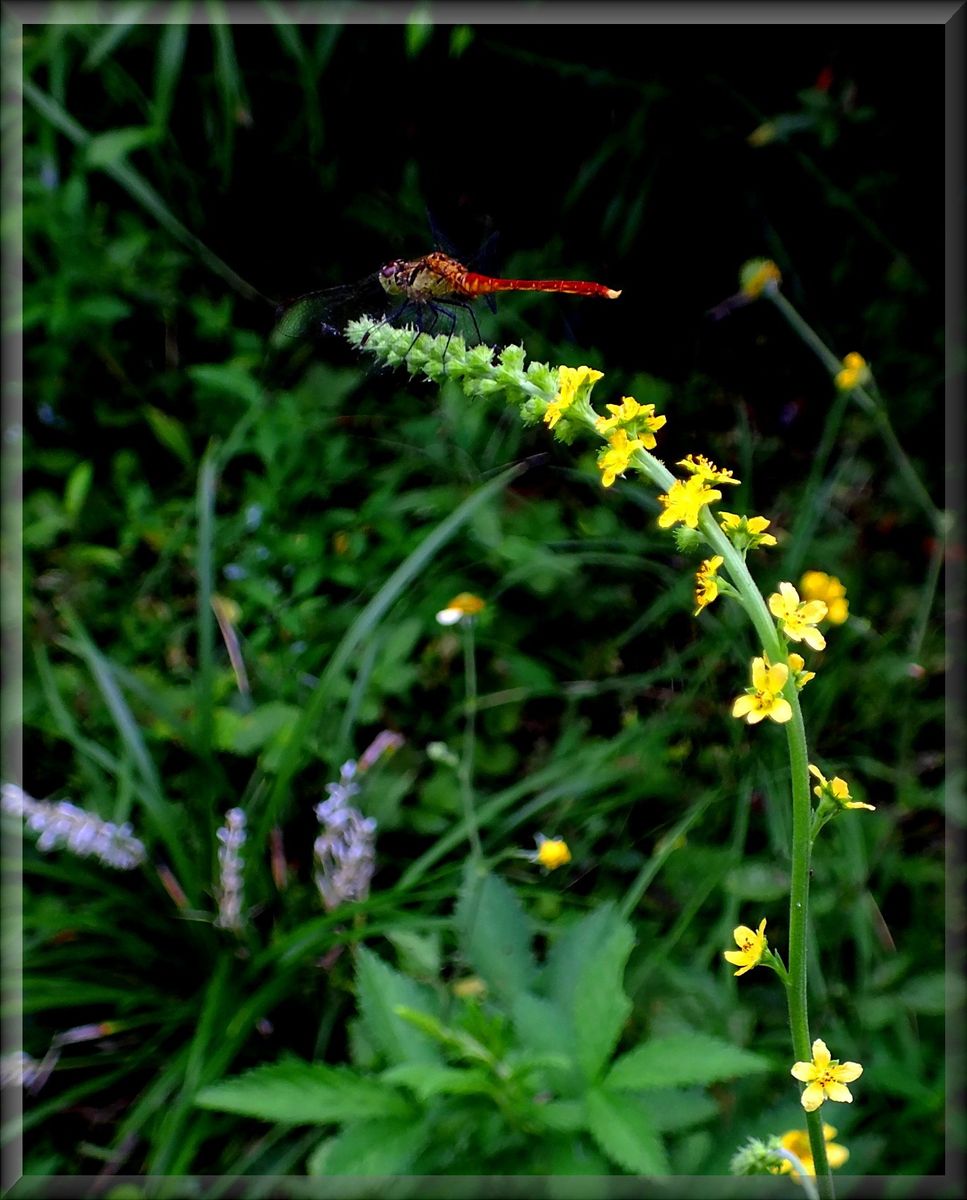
(339, 511)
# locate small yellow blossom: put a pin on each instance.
(472, 987)
(340, 541)
(746, 533)
(685, 500)
(826, 1078)
(752, 945)
(640, 420)
(703, 468)
(757, 276)
(706, 582)
(855, 373)
(764, 698)
(817, 585)
(800, 677)
(617, 458)
(464, 605)
(797, 1141)
(551, 853)
(836, 790)
(569, 379)
(798, 618)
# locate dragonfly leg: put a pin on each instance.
(398, 312)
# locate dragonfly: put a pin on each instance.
(432, 288)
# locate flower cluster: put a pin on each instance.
(65, 826)
(231, 837)
(344, 854)
(855, 373)
(746, 533)
(817, 585)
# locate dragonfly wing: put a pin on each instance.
(326, 312)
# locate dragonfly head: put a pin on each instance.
(389, 276)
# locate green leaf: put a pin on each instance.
(585, 976)
(426, 1080)
(495, 934)
(373, 1148)
(682, 1059)
(226, 380)
(671, 1111)
(107, 149)
(169, 432)
(625, 1134)
(299, 1093)
(381, 991)
(77, 487)
(248, 733)
(928, 993)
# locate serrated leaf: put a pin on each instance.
(298, 1093)
(426, 1080)
(169, 432)
(585, 978)
(680, 1060)
(495, 934)
(563, 1116)
(381, 990)
(625, 1133)
(373, 1148)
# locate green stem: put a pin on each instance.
(796, 982)
(869, 405)
(469, 739)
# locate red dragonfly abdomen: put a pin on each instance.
(469, 283)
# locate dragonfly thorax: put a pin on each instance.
(431, 277)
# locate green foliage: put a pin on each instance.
(540, 1077)
(175, 465)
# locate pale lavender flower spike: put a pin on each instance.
(230, 863)
(344, 850)
(65, 826)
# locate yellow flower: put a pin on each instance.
(639, 419)
(684, 501)
(551, 853)
(617, 458)
(800, 677)
(797, 1141)
(706, 582)
(569, 379)
(855, 373)
(746, 532)
(764, 698)
(752, 945)
(826, 1078)
(817, 585)
(702, 468)
(464, 605)
(757, 276)
(836, 790)
(798, 618)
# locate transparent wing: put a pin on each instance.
(326, 312)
